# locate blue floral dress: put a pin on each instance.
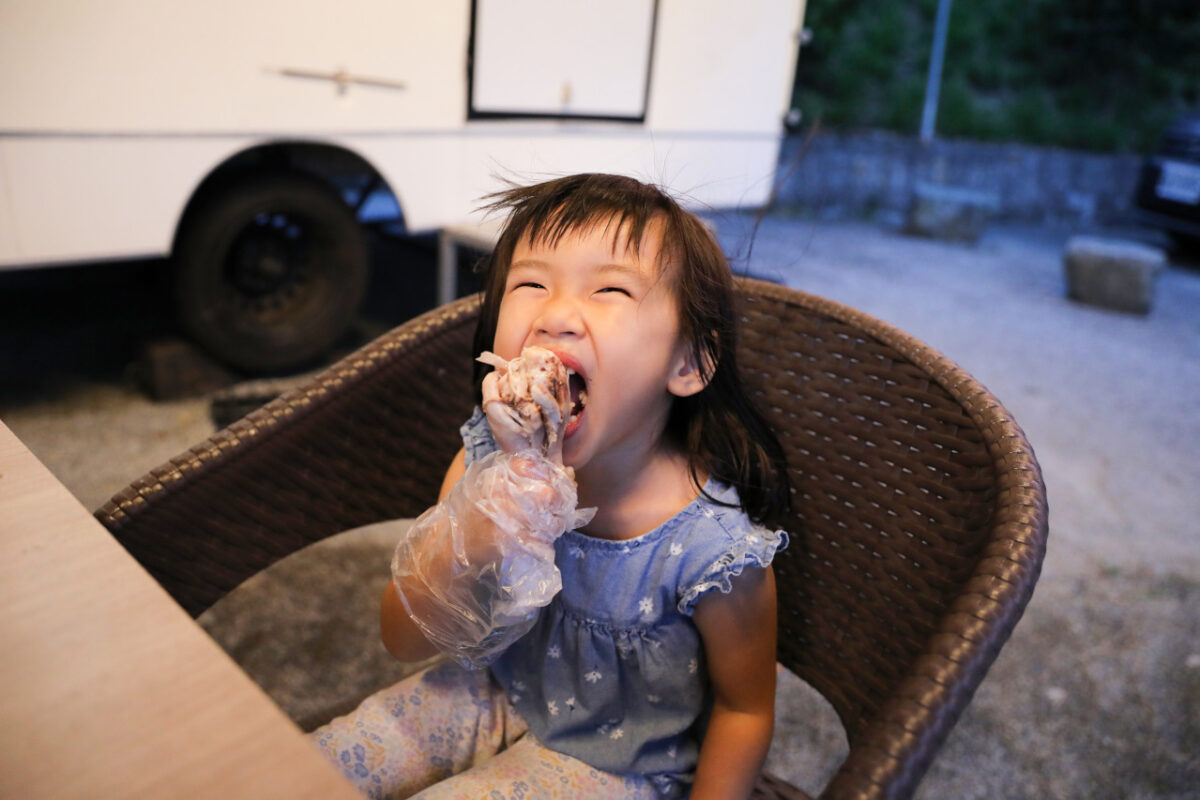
(613, 671)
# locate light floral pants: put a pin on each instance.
(449, 733)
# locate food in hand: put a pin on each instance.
(536, 393)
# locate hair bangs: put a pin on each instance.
(543, 215)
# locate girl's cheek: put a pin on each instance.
(508, 342)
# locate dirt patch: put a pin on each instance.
(1097, 695)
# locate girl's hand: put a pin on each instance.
(527, 402)
(472, 571)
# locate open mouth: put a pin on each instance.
(578, 389)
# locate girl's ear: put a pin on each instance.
(686, 377)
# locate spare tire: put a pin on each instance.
(270, 271)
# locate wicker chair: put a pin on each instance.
(919, 518)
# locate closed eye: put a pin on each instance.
(617, 289)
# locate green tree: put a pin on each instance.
(1094, 74)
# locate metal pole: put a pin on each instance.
(933, 87)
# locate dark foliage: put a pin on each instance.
(1092, 74)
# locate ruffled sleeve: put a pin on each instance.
(718, 559)
(477, 437)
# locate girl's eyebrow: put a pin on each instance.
(608, 268)
(526, 266)
(626, 270)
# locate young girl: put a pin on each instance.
(652, 672)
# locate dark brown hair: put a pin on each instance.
(719, 428)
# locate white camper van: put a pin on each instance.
(250, 139)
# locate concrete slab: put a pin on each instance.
(950, 212)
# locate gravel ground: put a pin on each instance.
(1097, 694)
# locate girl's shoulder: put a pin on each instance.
(716, 540)
(716, 513)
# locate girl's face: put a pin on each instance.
(610, 314)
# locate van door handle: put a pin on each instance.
(340, 78)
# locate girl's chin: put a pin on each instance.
(572, 442)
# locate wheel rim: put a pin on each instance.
(269, 265)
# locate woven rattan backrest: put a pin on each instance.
(892, 486)
(918, 521)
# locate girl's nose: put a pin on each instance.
(559, 317)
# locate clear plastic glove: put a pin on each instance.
(474, 570)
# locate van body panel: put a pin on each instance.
(113, 115)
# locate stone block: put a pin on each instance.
(1112, 273)
(171, 369)
(950, 212)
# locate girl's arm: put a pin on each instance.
(401, 636)
(738, 630)
(527, 402)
